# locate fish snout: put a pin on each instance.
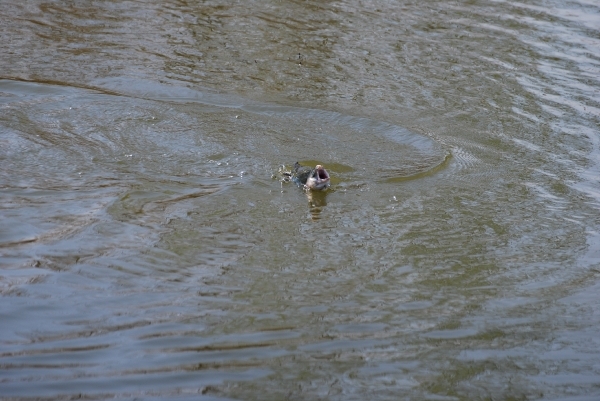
(319, 179)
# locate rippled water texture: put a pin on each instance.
(150, 250)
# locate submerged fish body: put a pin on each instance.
(311, 178)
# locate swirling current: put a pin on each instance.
(150, 250)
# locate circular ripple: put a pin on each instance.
(352, 148)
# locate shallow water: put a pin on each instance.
(148, 248)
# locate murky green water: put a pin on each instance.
(148, 249)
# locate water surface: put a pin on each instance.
(149, 249)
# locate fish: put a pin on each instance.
(311, 178)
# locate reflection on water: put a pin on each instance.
(149, 249)
(317, 200)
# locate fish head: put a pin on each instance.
(318, 179)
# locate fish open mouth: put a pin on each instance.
(319, 178)
(307, 177)
(320, 173)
